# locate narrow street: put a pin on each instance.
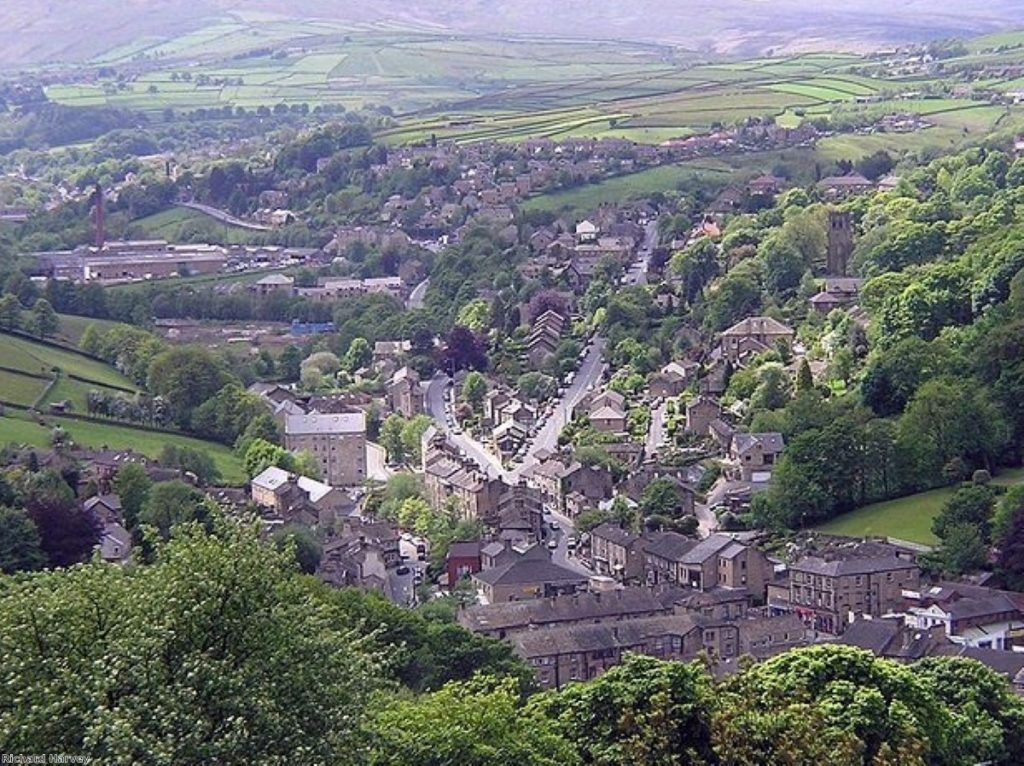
(657, 435)
(437, 409)
(705, 516)
(588, 375)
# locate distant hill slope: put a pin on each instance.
(38, 31)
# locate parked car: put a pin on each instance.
(403, 569)
(552, 544)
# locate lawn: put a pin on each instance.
(17, 428)
(906, 518)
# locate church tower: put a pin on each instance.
(840, 243)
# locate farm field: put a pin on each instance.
(20, 389)
(467, 88)
(664, 178)
(183, 224)
(16, 427)
(21, 353)
(73, 327)
(906, 518)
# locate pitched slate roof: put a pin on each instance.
(772, 443)
(562, 609)
(525, 571)
(758, 326)
(851, 566)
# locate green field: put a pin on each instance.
(475, 88)
(665, 178)
(180, 224)
(906, 518)
(17, 428)
(21, 353)
(35, 358)
(20, 389)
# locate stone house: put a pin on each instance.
(672, 379)
(608, 419)
(405, 393)
(826, 591)
(587, 608)
(529, 575)
(617, 553)
(700, 412)
(753, 335)
(753, 456)
(720, 561)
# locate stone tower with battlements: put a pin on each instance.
(840, 243)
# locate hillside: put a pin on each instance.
(36, 375)
(89, 28)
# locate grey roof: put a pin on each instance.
(873, 635)
(732, 550)
(113, 502)
(524, 571)
(851, 566)
(720, 426)
(562, 609)
(607, 413)
(1007, 663)
(464, 549)
(588, 638)
(314, 423)
(772, 443)
(492, 549)
(707, 548)
(758, 326)
(853, 179)
(670, 545)
(822, 298)
(613, 533)
(968, 608)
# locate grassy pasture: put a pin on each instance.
(18, 428)
(20, 389)
(907, 518)
(174, 224)
(515, 88)
(20, 353)
(666, 178)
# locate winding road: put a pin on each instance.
(418, 295)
